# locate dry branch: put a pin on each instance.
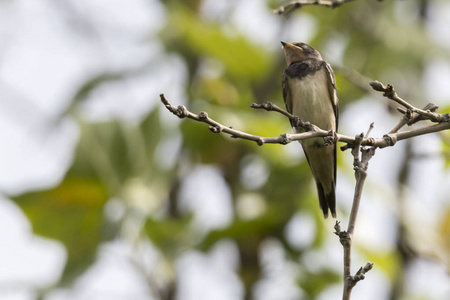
(294, 5)
(313, 131)
(363, 148)
(389, 92)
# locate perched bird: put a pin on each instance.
(309, 92)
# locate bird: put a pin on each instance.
(309, 92)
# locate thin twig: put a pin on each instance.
(416, 117)
(360, 165)
(410, 118)
(358, 145)
(314, 131)
(407, 116)
(389, 92)
(349, 280)
(294, 5)
(369, 130)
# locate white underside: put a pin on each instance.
(311, 101)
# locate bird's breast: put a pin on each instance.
(310, 99)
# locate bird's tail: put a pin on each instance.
(327, 201)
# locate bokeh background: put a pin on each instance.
(106, 195)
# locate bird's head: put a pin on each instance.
(299, 51)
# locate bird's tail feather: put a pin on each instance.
(327, 201)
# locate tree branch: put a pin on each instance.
(389, 92)
(349, 280)
(363, 149)
(360, 165)
(314, 131)
(311, 130)
(294, 5)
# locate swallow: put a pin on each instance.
(309, 92)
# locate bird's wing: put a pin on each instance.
(332, 91)
(286, 94)
(284, 87)
(335, 102)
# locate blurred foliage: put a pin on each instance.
(315, 283)
(170, 235)
(71, 213)
(387, 261)
(226, 72)
(242, 60)
(444, 238)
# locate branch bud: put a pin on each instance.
(182, 111)
(203, 115)
(215, 129)
(390, 139)
(377, 86)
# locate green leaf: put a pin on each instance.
(387, 261)
(267, 225)
(444, 233)
(315, 283)
(170, 235)
(71, 213)
(241, 59)
(445, 138)
(150, 132)
(92, 83)
(107, 155)
(115, 152)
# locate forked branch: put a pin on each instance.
(311, 131)
(363, 148)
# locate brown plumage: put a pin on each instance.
(309, 92)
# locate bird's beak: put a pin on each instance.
(286, 46)
(292, 52)
(289, 46)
